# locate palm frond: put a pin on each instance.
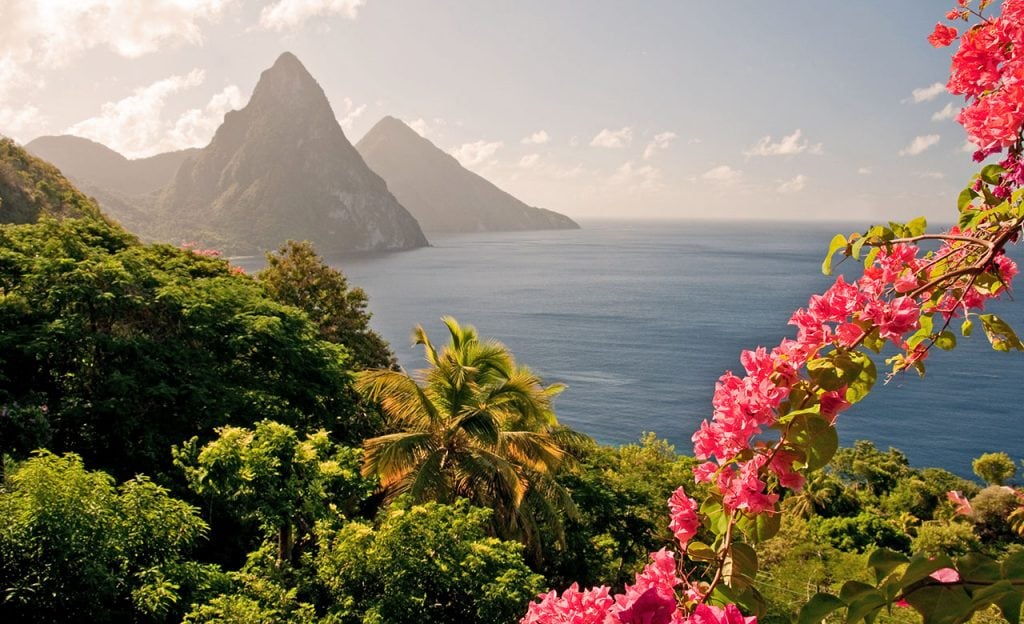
(534, 450)
(392, 457)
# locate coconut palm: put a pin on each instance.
(475, 424)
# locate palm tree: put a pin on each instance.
(475, 424)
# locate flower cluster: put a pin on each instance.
(989, 73)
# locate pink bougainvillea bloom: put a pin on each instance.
(707, 614)
(572, 607)
(942, 36)
(946, 575)
(654, 606)
(963, 506)
(683, 511)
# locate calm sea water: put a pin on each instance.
(640, 319)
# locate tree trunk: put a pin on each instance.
(284, 545)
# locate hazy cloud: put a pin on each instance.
(968, 147)
(529, 161)
(53, 33)
(919, 144)
(135, 127)
(478, 152)
(864, 171)
(722, 174)
(931, 175)
(285, 14)
(349, 113)
(659, 142)
(428, 128)
(925, 94)
(539, 137)
(786, 146)
(636, 179)
(613, 138)
(948, 112)
(16, 121)
(795, 185)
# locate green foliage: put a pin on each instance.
(994, 468)
(866, 465)
(73, 547)
(945, 538)
(295, 275)
(270, 475)
(128, 349)
(621, 494)
(992, 508)
(31, 188)
(421, 564)
(253, 599)
(860, 532)
(477, 425)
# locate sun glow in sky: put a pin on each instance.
(603, 108)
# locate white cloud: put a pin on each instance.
(925, 94)
(613, 138)
(786, 146)
(349, 113)
(55, 32)
(919, 144)
(529, 161)
(428, 128)
(660, 141)
(931, 175)
(16, 122)
(695, 141)
(636, 179)
(795, 185)
(285, 14)
(476, 153)
(864, 171)
(539, 137)
(968, 147)
(135, 127)
(948, 112)
(722, 174)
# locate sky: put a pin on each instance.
(660, 109)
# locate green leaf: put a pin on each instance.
(977, 567)
(991, 594)
(760, 527)
(884, 561)
(917, 227)
(966, 327)
(999, 333)
(921, 566)
(940, 604)
(838, 242)
(853, 590)
(699, 551)
(870, 258)
(844, 368)
(865, 607)
(1013, 567)
(818, 608)
(992, 174)
(740, 565)
(946, 341)
(856, 246)
(715, 518)
(1009, 605)
(964, 200)
(816, 437)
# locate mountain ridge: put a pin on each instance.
(443, 195)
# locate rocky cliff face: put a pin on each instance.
(442, 194)
(281, 168)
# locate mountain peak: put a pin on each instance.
(288, 85)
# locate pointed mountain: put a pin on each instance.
(443, 195)
(281, 168)
(31, 188)
(95, 165)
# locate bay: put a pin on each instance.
(639, 319)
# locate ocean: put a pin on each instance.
(639, 319)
